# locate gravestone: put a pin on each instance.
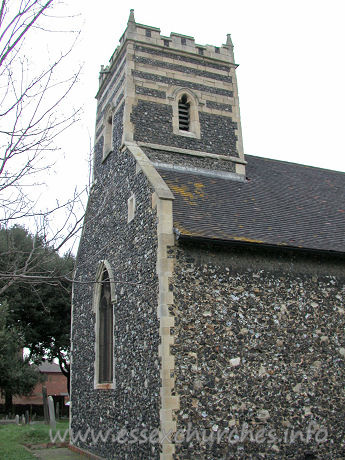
(52, 421)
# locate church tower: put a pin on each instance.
(165, 104)
(176, 100)
(208, 300)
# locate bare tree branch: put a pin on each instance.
(20, 29)
(30, 122)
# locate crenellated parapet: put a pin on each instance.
(149, 73)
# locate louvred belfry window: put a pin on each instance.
(105, 332)
(183, 113)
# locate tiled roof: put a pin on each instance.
(45, 366)
(281, 203)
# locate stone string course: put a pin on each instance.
(153, 124)
(183, 83)
(183, 69)
(259, 339)
(117, 116)
(182, 58)
(116, 71)
(119, 99)
(150, 92)
(181, 159)
(99, 131)
(111, 97)
(219, 106)
(105, 95)
(98, 152)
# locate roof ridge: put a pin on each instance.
(294, 164)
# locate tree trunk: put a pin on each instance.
(45, 404)
(65, 369)
(8, 402)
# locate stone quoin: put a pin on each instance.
(209, 302)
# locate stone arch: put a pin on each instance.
(103, 305)
(193, 104)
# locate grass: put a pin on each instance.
(12, 437)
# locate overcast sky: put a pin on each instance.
(291, 72)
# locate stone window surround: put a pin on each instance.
(194, 123)
(108, 132)
(103, 264)
(131, 208)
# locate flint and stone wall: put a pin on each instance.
(153, 124)
(158, 74)
(130, 248)
(189, 161)
(259, 339)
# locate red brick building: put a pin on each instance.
(56, 384)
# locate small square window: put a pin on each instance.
(148, 33)
(166, 43)
(183, 41)
(217, 50)
(201, 51)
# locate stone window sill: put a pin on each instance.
(186, 133)
(106, 153)
(105, 386)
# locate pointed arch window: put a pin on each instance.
(184, 113)
(104, 298)
(105, 332)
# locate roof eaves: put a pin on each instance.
(241, 241)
